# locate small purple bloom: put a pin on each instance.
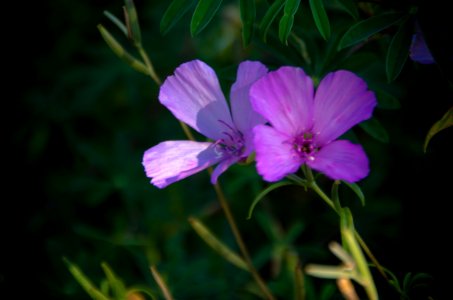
(419, 51)
(305, 124)
(194, 96)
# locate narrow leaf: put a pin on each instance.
(264, 193)
(86, 284)
(286, 22)
(329, 272)
(445, 122)
(161, 283)
(299, 283)
(121, 52)
(350, 6)
(132, 22)
(248, 14)
(335, 197)
(204, 12)
(357, 190)
(386, 100)
(176, 10)
(269, 17)
(116, 284)
(366, 28)
(320, 16)
(398, 50)
(374, 128)
(218, 246)
(116, 21)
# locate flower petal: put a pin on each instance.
(342, 100)
(285, 98)
(275, 156)
(194, 96)
(341, 160)
(244, 117)
(419, 51)
(172, 161)
(222, 167)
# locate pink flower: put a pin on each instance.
(194, 96)
(305, 124)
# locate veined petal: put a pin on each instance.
(341, 160)
(275, 155)
(285, 98)
(222, 167)
(342, 100)
(244, 117)
(172, 161)
(194, 96)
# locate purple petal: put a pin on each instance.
(222, 167)
(419, 51)
(341, 160)
(342, 100)
(275, 156)
(172, 161)
(285, 98)
(244, 117)
(194, 96)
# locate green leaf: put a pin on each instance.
(320, 17)
(445, 122)
(116, 21)
(335, 197)
(204, 12)
(366, 28)
(84, 281)
(286, 22)
(386, 100)
(269, 17)
(132, 22)
(374, 128)
(398, 50)
(248, 14)
(357, 190)
(350, 7)
(218, 246)
(121, 52)
(264, 193)
(116, 284)
(176, 10)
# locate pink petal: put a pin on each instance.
(244, 117)
(275, 155)
(285, 98)
(342, 100)
(222, 167)
(341, 160)
(172, 161)
(194, 96)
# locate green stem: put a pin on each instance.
(149, 65)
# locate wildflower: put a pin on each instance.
(419, 51)
(194, 97)
(305, 124)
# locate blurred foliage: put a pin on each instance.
(79, 190)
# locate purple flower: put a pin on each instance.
(305, 124)
(419, 51)
(194, 96)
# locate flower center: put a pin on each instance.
(232, 144)
(304, 146)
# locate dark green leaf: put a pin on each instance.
(386, 100)
(374, 128)
(264, 193)
(269, 17)
(350, 6)
(366, 28)
(132, 22)
(248, 14)
(286, 22)
(320, 17)
(445, 122)
(176, 10)
(204, 12)
(357, 190)
(398, 50)
(335, 197)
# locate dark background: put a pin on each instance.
(78, 120)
